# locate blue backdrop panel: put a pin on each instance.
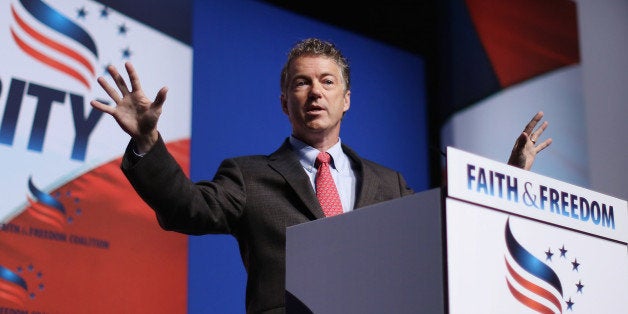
(239, 49)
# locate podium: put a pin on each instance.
(498, 240)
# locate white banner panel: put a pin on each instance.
(497, 185)
(519, 242)
(500, 263)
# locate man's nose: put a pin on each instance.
(316, 90)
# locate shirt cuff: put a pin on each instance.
(138, 154)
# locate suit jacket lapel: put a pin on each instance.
(286, 162)
(368, 182)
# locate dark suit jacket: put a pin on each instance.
(254, 198)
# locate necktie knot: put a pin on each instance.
(323, 158)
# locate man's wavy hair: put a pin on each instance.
(316, 47)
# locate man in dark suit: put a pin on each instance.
(255, 198)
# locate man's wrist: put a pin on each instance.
(144, 144)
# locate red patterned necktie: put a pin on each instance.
(326, 188)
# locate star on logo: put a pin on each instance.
(563, 251)
(570, 304)
(104, 12)
(81, 13)
(575, 264)
(126, 53)
(579, 285)
(70, 202)
(122, 29)
(548, 255)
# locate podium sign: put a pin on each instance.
(519, 242)
(506, 240)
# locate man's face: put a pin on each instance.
(315, 98)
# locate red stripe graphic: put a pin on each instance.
(44, 214)
(49, 61)
(12, 293)
(529, 302)
(532, 288)
(51, 43)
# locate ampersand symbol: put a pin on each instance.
(529, 198)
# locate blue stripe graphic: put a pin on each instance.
(45, 198)
(60, 23)
(530, 263)
(10, 276)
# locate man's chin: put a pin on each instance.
(316, 127)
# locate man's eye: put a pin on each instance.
(328, 82)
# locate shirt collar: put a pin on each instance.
(307, 154)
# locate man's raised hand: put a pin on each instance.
(136, 114)
(526, 146)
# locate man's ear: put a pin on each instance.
(347, 101)
(284, 103)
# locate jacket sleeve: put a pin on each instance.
(180, 204)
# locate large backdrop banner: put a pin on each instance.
(508, 60)
(74, 236)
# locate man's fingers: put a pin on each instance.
(102, 107)
(536, 134)
(161, 97)
(530, 126)
(118, 79)
(133, 77)
(543, 145)
(109, 90)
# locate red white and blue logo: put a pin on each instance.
(21, 285)
(58, 53)
(535, 283)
